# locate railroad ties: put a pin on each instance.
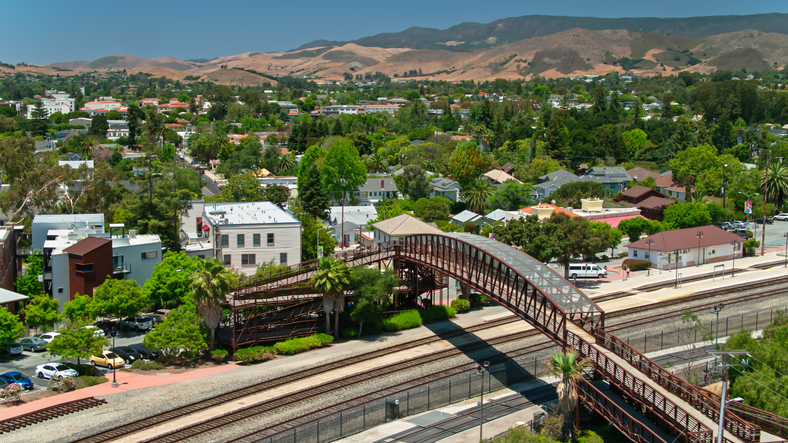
(49, 413)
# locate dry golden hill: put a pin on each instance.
(236, 77)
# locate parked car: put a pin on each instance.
(107, 359)
(738, 224)
(11, 348)
(139, 323)
(96, 331)
(760, 220)
(49, 336)
(128, 354)
(55, 370)
(781, 217)
(724, 225)
(18, 377)
(743, 233)
(159, 316)
(587, 270)
(146, 353)
(33, 344)
(106, 326)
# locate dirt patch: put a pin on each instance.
(174, 369)
(30, 397)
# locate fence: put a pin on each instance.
(684, 335)
(415, 400)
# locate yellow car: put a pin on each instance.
(108, 359)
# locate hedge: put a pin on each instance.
(461, 305)
(348, 332)
(146, 365)
(403, 320)
(477, 300)
(218, 355)
(634, 264)
(83, 370)
(254, 354)
(297, 345)
(438, 312)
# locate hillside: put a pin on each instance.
(508, 30)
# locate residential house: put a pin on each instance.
(81, 121)
(343, 109)
(395, 229)
(686, 247)
(507, 168)
(76, 164)
(499, 177)
(447, 188)
(242, 235)
(82, 224)
(670, 187)
(45, 145)
(352, 224)
(76, 262)
(56, 102)
(467, 216)
(639, 174)
(376, 189)
(498, 215)
(546, 210)
(172, 105)
(650, 202)
(614, 178)
(550, 183)
(592, 209)
(374, 109)
(288, 181)
(9, 266)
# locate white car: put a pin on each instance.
(55, 370)
(49, 336)
(96, 331)
(781, 217)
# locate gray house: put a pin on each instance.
(550, 183)
(444, 187)
(376, 189)
(614, 178)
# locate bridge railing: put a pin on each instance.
(670, 414)
(634, 429)
(677, 386)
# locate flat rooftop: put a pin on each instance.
(247, 213)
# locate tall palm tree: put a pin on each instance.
(477, 195)
(569, 367)
(429, 165)
(286, 163)
(377, 163)
(331, 280)
(211, 282)
(776, 187)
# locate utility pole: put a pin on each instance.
(723, 178)
(765, 197)
(725, 367)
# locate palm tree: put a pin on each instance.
(429, 165)
(286, 163)
(377, 163)
(211, 282)
(478, 194)
(331, 280)
(569, 368)
(776, 187)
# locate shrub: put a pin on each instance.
(477, 300)
(66, 384)
(403, 320)
(219, 355)
(146, 365)
(12, 393)
(297, 345)
(461, 305)
(623, 254)
(636, 265)
(87, 381)
(587, 436)
(605, 257)
(438, 312)
(83, 370)
(348, 332)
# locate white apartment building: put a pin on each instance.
(242, 234)
(82, 224)
(56, 102)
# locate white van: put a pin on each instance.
(586, 270)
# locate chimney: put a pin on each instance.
(381, 185)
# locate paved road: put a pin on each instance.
(27, 361)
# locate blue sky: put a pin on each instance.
(46, 31)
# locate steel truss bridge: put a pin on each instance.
(538, 295)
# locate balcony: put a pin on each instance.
(121, 268)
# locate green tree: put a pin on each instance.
(77, 341)
(10, 327)
(38, 117)
(467, 163)
(634, 140)
(211, 283)
(611, 236)
(99, 126)
(688, 164)
(579, 239)
(179, 332)
(277, 194)
(28, 284)
(312, 192)
(309, 236)
(431, 209)
(542, 241)
(169, 284)
(569, 367)
(241, 187)
(118, 299)
(687, 215)
(376, 163)
(372, 290)
(511, 196)
(477, 194)
(571, 194)
(414, 183)
(343, 170)
(633, 228)
(42, 312)
(331, 280)
(774, 181)
(81, 307)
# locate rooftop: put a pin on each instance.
(246, 213)
(403, 225)
(669, 241)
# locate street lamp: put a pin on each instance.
(723, 186)
(676, 285)
(481, 402)
(699, 235)
(113, 332)
(649, 242)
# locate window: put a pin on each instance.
(227, 260)
(149, 255)
(282, 258)
(84, 267)
(240, 238)
(646, 254)
(225, 240)
(256, 239)
(247, 259)
(201, 257)
(270, 239)
(635, 253)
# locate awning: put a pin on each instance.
(206, 228)
(614, 221)
(199, 222)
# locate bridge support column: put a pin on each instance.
(465, 291)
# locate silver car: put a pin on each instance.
(11, 348)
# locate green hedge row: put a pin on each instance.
(254, 354)
(146, 365)
(403, 320)
(438, 312)
(302, 344)
(477, 300)
(634, 264)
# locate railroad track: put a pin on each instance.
(226, 420)
(60, 410)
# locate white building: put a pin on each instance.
(83, 224)
(687, 247)
(242, 235)
(56, 102)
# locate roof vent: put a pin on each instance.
(132, 233)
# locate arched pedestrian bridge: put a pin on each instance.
(560, 311)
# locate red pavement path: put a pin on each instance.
(126, 382)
